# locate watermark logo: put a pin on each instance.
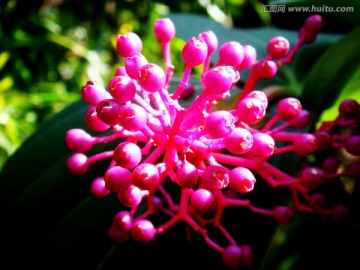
(313, 8)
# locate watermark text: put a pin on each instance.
(313, 8)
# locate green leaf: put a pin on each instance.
(350, 91)
(331, 72)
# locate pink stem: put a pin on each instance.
(250, 83)
(183, 82)
(167, 59)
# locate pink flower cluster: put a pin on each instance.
(211, 155)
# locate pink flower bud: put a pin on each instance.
(194, 52)
(164, 30)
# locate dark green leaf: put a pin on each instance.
(331, 72)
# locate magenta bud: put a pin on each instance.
(128, 43)
(242, 180)
(211, 41)
(92, 93)
(127, 155)
(133, 62)
(289, 108)
(203, 200)
(151, 77)
(194, 52)
(239, 141)
(78, 140)
(93, 122)
(164, 30)
(98, 189)
(122, 88)
(231, 53)
(143, 231)
(221, 79)
(266, 69)
(284, 214)
(278, 47)
(249, 57)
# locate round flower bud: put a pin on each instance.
(188, 92)
(194, 52)
(242, 180)
(108, 111)
(92, 93)
(123, 220)
(234, 256)
(302, 120)
(250, 110)
(151, 77)
(128, 43)
(143, 231)
(77, 164)
(263, 146)
(117, 179)
(78, 140)
(318, 202)
(353, 169)
(349, 109)
(311, 177)
(187, 175)
(145, 176)
(266, 69)
(338, 211)
(211, 41)
(127, 155)
(219, 123)
(323, 140)
(330, 164)
(122, 88)
(289, 108)
(133, 63)
(221, 79)
(352, 145)
(93, 122)
(238, 141)
(118, 236)
(121, 71)
(231, 256)
(203, 201)
(284, 214)
(306, 144)
(215, 177)
(314, 23)
(164, 30)
(132, 117)
(131, 197)
(247, 258)
(249, 57)
(259, 95)
(98, 189)
(278, 47)
(231, 53)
